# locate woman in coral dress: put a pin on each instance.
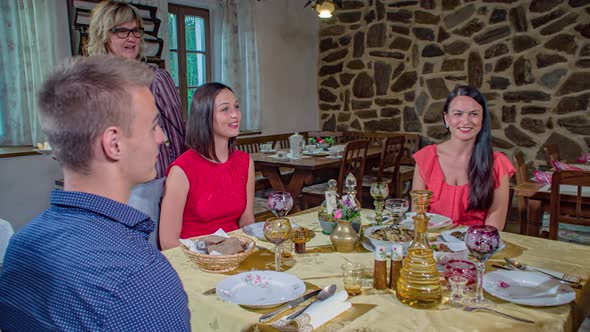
(469, 181)
(211, 185)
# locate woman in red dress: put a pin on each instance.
(470, 182)
(211, 185)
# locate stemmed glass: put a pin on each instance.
(280, 203)
(397, 207)
(277, 230)
(379, 190)
(482, 241)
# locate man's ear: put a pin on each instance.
(111, 144)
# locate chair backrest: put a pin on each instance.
(574, 209)
(251, 144)
(354, 158)
(374, 138)
(520, 165)
(411, 146)
(551, 154)
(391, 156)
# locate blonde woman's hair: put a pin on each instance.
(105, 16)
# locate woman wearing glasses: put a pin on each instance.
(117, 28)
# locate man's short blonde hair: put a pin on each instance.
(105, 16)
(84, 96)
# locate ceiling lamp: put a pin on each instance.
(325, 8)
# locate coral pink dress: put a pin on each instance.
(452, 201)
(217, 192)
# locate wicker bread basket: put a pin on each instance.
(220, 263)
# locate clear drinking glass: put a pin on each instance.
(379, 190)
(397, 207)
(482, 241)
(353, 275)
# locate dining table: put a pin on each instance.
(537, 200)
(374, 310)
(304, 169)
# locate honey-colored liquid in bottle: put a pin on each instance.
(418, 285)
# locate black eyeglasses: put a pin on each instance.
(124, 32)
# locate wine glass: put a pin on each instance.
(277, 230)
(379, 191)
(280, 203)
(397, 207)
(482, 241)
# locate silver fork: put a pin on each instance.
(470, 309)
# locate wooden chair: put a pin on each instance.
(353, 161)
(570, 211)
(251, 144)
(551, 154)
(407, 163)
(521, 178)
(389, 166)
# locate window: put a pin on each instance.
(190, 53)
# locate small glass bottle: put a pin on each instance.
(419, 282)
(397, 255)
(380, 268)
(329, 205)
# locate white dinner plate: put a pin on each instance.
(260, 289)
(436, 221)
(448, 237)
(268, 151)
(256, 230)
(528, 288)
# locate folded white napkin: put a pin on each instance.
(316, 315)
(549, 289)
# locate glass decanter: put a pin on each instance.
(350, 185)
(419, 284)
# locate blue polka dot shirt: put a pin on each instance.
(85, 264)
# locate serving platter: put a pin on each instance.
(260, 289)
(436, 221)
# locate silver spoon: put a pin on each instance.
(523, 267)
(324, 294)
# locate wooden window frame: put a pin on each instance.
(181, 12)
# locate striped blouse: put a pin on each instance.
(169, 105)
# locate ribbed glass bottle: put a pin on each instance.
(419, 285)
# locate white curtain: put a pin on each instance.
(28, 33)
(239, 59)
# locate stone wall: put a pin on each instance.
(389, 65)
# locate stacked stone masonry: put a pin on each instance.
(389, 65)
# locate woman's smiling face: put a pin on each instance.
(464, 118)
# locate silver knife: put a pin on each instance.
(289, 305)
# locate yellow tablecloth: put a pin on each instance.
(320, 266)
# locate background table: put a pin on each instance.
(320, 266)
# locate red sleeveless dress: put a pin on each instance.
(217, 192)
(452, 201)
